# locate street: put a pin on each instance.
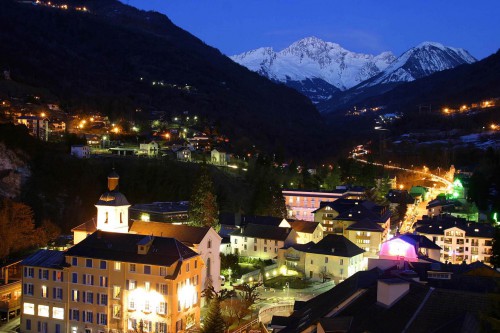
(11, 326)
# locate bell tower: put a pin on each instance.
(112, 208)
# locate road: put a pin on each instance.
(416, 211)
(11, 326)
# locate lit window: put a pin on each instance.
(163, 289)
(117, 313)
(132, 267)
(132, 285)
(131, 303)
(147, 285)
(147, 307)
(145, 217)
(163, 271)
(43, 310)
(116, 292)
(57, 313)
(29, 308)
(44, 291)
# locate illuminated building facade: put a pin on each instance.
(301, 204)
(114, 282)
(459, 239)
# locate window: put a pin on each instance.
(235, 241)
(162, 308)
(132, 285)
(147, 305)
(131, 303)
(265, 241)
(275, 250)
(132, 268)
(341, 261)
(74, 314)
(117, 313)
(43, 310)
(187, 267)
(146, 325)
(255, 247)
(103, 299)
(342, 272)
(117, 290)
(147, 285)
(88, 279)
(275, 243)
(326, 260)
(57, 276)
(163, 289)
(75, 295)
(58, 328)
(29, 272)
(28, 324)
(147, 269)
(196, 264)
(102, 319)
(57, 293)
(245, 239)
(44, 292)
(88, 263)
(103, 264)
(28, 289)
(209, 245)
(312, 262)
(163, 271)
(132, 324)
(43, 274)
(244, 247)
(29, 308)
(74, 277)
(265, 248)
(57, 313)
(161, 327)
(88, 297)
(88, 316)
(118, 266)
(103, 281)
(106, 218)
(74, 261)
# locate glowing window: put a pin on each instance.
(44, 291)
(118, 266)
(57, 313)
(29, 308)
(145, 217)
(43, 310)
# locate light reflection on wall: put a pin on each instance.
(141, 296)
(398, 248)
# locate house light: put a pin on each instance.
(141, 297)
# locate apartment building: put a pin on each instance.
(460, 240)
(301, 204)
(113, 282)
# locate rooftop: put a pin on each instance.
(123, 247)
(186, 234)
(263, 232)
(162, 207)
(45, 258)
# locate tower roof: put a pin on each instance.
(112, 198)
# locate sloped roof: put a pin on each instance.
(123, 247)
(365, 225)
(89, 226)
(45, 258)
(303, 226)
(336, 245)
(422, 241)
(263, 232)
(336, 324)
(112, 198)
(438, 224)
(184, 233)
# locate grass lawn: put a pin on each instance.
(294, 282)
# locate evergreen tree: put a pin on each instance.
(203, 208)
(268, 200)
(213, 322)
(333, 178)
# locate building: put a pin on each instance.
(261, 241)
(410, 247)
(333, 258)
(10, 291)
(361, 221)
(169, 212)
(38, 127)
(150, 149)
(307, 231)
(113, 282)
(200, 143)
(203, 240)
(45, 305)
(218, 157)
(419, 193)
(454, 207)
(460, 240)
(301, 204)
(80, 151)
(184, 155)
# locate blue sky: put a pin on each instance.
(369, 26)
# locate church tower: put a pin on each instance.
(112, 208)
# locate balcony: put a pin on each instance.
(448, 241)
(488, 252)
(292, 257)
(364, 237)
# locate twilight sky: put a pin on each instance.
(368, 26)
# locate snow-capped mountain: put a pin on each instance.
(314, 59)
(420, 61)
(322, 70)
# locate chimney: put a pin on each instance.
(389, 291)
(113, 180)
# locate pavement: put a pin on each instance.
(12, 326)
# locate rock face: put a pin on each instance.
(14, 171)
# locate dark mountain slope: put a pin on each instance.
(463, 84)
(96, 60)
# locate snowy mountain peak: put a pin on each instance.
(420, 61)
(313, 58)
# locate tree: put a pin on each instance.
(249, 293)
(269, 200)
(213, 322)
(324, 274)
(333, 178)
(203, 208)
